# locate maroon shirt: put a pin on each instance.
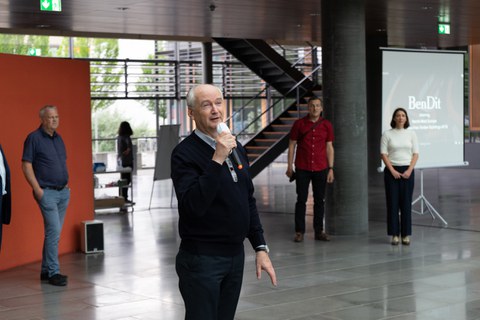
(311, 151)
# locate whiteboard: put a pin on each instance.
(168, 137)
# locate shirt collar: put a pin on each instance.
(207, 139)
(45, 132)
(307, 119)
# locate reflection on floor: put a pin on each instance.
(350, 277)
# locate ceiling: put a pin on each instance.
(406, 23)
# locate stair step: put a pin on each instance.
(289, 120)
(256, 148)
(294, 113)
(274, 133)
(264, 142)
(281, 126)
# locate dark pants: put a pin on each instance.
(126, 176)
(319, 180)
(399, 193)
(210, 285)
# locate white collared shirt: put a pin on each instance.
(212, 143)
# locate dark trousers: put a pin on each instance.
(399, 193)
(210, 285)
(126, 176)
(319, 180)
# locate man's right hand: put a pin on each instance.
(289, 172)
(38, 194)
(225, 143)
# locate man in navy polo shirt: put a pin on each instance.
(45, 168)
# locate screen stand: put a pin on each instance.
(424, 204)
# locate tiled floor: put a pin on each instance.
(351, 277)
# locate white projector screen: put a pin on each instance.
(430, 86)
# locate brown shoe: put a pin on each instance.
(322, 236)
(298, 237)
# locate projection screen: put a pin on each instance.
(430, 86)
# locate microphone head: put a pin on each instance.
(222, 127)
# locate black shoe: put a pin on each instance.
(129, 203)
(44, 276)
(58, 280)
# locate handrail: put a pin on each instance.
(301, 81)
(246, 104)
(303, 58)
(299, 59)
(260, 115)
(295, 87)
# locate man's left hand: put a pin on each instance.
(263, 262)
(330, 176)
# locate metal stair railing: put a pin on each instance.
(294, 88)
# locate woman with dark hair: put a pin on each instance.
(125, 154)
(399, 152)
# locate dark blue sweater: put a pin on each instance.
(216, 214)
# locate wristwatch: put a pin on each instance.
(262, 247)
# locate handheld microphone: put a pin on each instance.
(222, 127)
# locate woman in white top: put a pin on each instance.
(399, 152)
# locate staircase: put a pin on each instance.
(264, 61)
(273, 140)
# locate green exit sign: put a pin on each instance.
(443, 28)
(35, 52)
(51, 5)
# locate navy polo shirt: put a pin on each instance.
(48, 156)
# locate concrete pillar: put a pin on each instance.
(207, 62)
(376, 190)
(344, 93)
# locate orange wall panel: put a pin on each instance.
(27, 84)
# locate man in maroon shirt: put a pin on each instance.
(312, 136)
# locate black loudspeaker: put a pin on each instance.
(92, 236)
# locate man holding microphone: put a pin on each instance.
(217, 211)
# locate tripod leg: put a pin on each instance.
(432, 209)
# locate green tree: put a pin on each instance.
(104, 76)
(154, 77)
(24, 44)
(107, 122)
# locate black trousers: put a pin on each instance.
(399, 193)
(210, 285)
(319, 180)
(126, 176)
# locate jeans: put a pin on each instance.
(319, 180)
(399, 194)
(210, 285)
(53, 206)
